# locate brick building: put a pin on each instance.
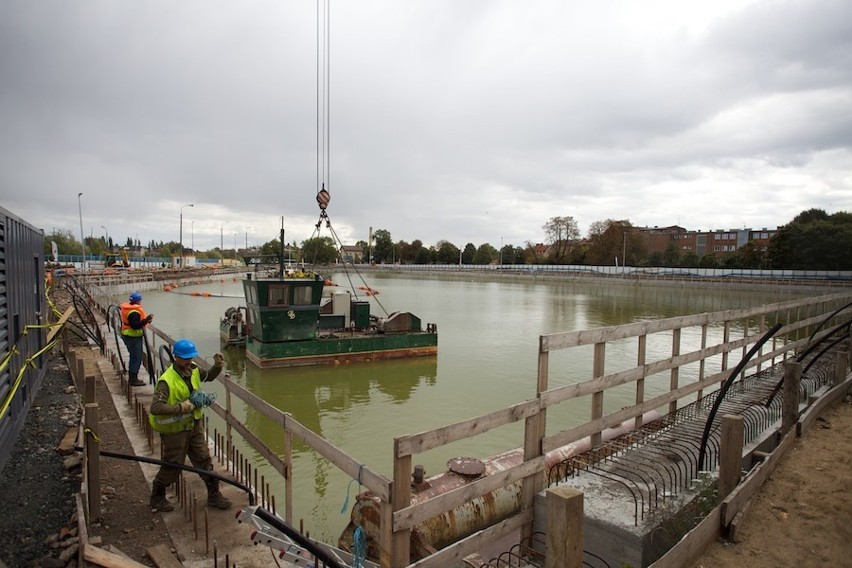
(720, 242)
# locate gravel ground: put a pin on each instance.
(36, 490)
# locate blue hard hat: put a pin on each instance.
(185, 349)
(135, 297)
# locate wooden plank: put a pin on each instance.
(100, 557)
(162, 557)
(693, 543)
(735, 502)
(413, 515)
(376, 483)
(93, 467)
(257, 403)
(82, 529)
(424, 441)
(474, 543)
(68, 442)
(554, 341)
(674, 376)
(737, 523)
(812, 412)
(60, 323)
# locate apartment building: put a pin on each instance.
(720, 242)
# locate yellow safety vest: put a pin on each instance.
(178, 392)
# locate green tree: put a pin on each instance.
(751, 255)
(672, 255)
(485, 254)
(709, 260)
(447, 253)
(690, 260)
(425, 255)
(319, 250)
(408, 252)
(65, 242)
(469, 252)
(813, 240)
(383, 247)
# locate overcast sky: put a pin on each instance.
(467, 121)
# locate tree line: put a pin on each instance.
(813, 240)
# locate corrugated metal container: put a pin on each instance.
(22, 304)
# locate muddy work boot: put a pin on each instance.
(135, 381)
(218, 500)
(158, 499)
(214, 496)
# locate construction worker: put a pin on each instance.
(177, 414)
(133, 322)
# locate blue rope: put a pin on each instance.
(359, 548)
(349, 487)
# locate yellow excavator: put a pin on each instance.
(117, 260)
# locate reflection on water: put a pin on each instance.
(487, 360)
(312, 394)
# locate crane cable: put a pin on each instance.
(323, 103)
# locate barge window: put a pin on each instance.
(278, 295)
(302, 296)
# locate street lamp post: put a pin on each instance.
(247, 230)
(106, 237)
(82, 238)
(192, 236)
(181, 230)
(222, 243)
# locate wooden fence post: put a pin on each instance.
(790, 406)
(79, 376)
(89, 394)
(400, 499)
(840, 361)
(93, 465)
(564, 527)
(730, 454)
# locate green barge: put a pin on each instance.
(300, 319)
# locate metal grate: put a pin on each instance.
(660, 460)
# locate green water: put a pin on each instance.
(487, 357)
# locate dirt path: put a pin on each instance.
(803, 514)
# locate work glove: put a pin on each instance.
(202, 399)
(218, 360)
(186, 407)
(149, 319)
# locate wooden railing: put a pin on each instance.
(799, 319)
(716, 348)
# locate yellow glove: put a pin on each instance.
(218, 359)
(186, 407)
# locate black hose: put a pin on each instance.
(113, 315)
(152, 375)
(155, 461)
(807, 351)
(298, 537)
(827, 319)
(724, 389)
